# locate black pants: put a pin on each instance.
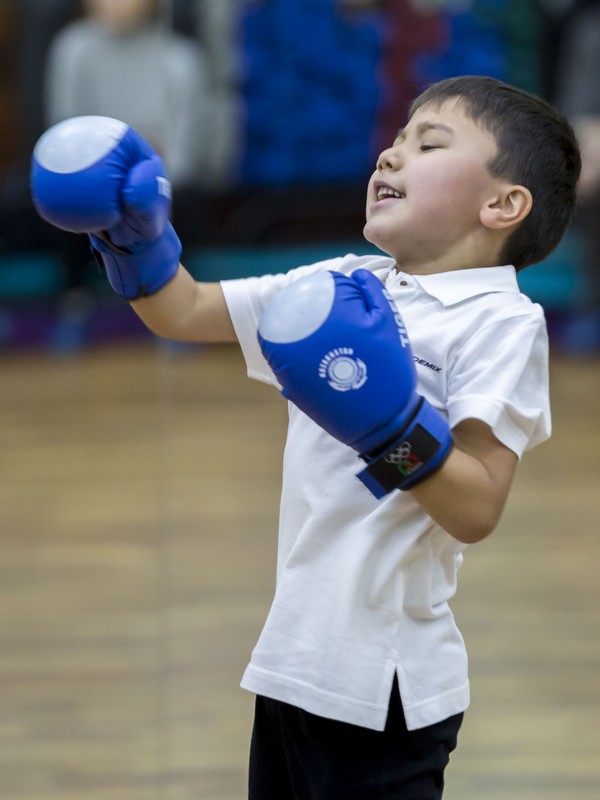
(299, 756)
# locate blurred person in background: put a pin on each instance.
(216, 25)
(122, 59)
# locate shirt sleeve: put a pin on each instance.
(501, 376)
(246, 300)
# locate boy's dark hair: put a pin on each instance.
(537, 148)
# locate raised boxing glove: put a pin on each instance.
(96, 175)
(339, 350)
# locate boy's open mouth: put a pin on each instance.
(383, 192)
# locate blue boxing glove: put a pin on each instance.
(96, 175)
(339, 349)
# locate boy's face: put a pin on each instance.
(425, 197)
(120, 16)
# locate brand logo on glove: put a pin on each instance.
(342, 370)
(405, 461)
(404, 340)
(164, 187)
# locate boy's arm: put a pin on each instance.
(98, 176)
(187, 310)
(467, 494)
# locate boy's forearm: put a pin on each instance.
(186, 310)
(467, 495)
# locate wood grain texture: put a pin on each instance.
(138, 510)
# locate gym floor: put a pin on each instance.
(138, 508)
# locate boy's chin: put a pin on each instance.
(370, 233)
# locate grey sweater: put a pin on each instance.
(153, 79)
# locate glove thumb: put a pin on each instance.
(372, 289)
(147, 197)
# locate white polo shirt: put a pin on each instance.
(363, 585)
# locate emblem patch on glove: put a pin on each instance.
(405, 461)
(343, 370)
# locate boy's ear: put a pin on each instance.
(507, 208)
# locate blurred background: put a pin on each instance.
(269, 115)
(139, 479)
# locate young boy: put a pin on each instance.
(360, 671)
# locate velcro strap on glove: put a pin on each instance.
(413, 455)
(139, 273)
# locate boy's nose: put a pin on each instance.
(389, 159)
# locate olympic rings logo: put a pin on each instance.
(402, 457)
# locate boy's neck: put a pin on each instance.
(474, 254)
(436, 268)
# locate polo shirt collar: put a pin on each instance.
(457, 285)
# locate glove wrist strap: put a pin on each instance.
(143, 272)
(414, 454)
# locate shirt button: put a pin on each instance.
(403, 283)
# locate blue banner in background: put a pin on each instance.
(327, 83)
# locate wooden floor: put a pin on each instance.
(138, 505)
